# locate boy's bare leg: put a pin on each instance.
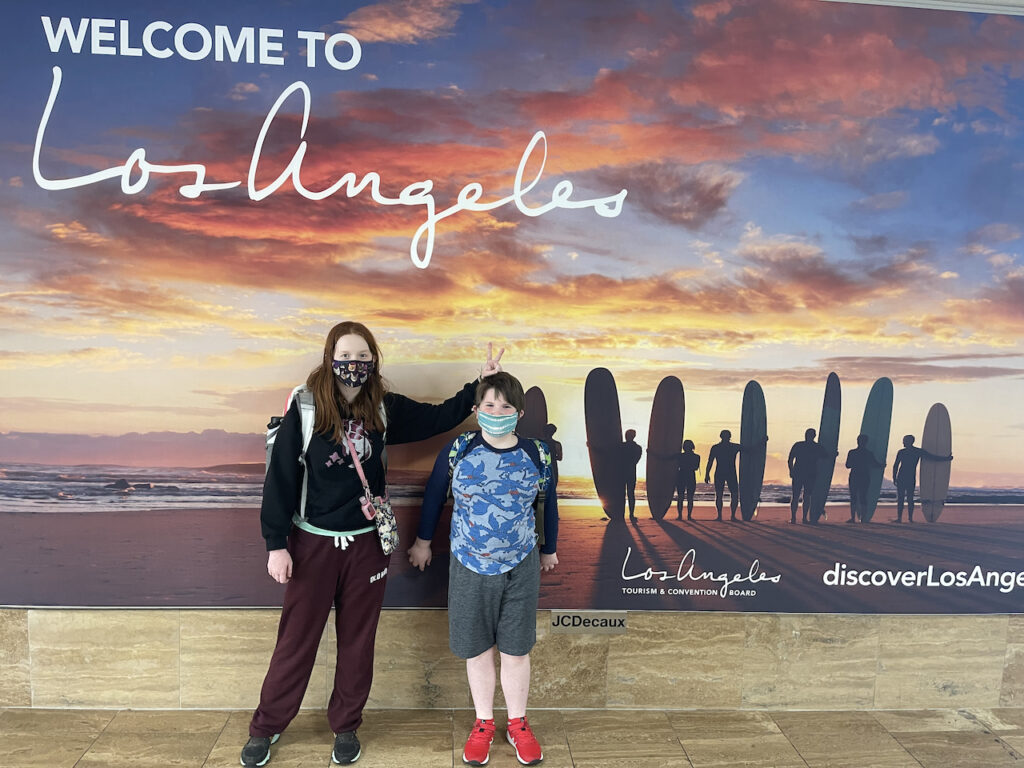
(515, 683)
(480, 671)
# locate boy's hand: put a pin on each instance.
(493, 364)
(420, 554)
(548, 562)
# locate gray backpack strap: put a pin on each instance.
(307, 417)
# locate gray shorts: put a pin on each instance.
(499, 609)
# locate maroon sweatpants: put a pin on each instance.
(352, 580)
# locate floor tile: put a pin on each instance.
(623, 739)
(723, 724)
(927, 720)
(28, 739)
(842, 740)
(399, 738)
(734, 740)
(959, 749)
(168, 738)
(547, 725)
(306, 743)
(1000, 719)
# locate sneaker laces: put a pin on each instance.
(483, 731)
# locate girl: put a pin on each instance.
(333, 557)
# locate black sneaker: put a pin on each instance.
(256, 751)
(346, 748)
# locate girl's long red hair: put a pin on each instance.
(331, 408)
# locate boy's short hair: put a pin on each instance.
(504, 384)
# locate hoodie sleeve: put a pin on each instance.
(283, 484)
(434, 496)
(409, 420)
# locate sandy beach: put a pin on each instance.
(215, 558)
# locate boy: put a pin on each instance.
(494, 573)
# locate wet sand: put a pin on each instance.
(215, 558)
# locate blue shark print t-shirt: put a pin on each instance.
(493, 526)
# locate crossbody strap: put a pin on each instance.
(359, 467)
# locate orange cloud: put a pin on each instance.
(403, 21)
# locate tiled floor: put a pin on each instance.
(967, 738)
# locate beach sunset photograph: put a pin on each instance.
(709, 193)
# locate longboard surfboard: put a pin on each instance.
(535, 414)
(753, 429)
(937, 439)
(828, 438)
(664, 444)
(532, 424)
(875, 424)
(604, 438)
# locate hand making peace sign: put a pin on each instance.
(492, 365)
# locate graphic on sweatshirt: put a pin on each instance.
(493, 526)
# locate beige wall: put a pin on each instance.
(216, 659)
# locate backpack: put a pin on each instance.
(307, 417)
(460, 446)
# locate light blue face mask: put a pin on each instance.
(497, 426)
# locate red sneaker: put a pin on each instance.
(478, 745)
(521, 737)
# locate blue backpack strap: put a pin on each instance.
(459, 447)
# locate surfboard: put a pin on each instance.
(604, 438)
(937, 438)
(828, 438)
(535, 414)
(664, 444)
(753, 428)
(875, 424)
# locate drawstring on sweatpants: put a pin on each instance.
(343, 542)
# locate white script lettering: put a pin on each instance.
(687, 572)
(414, 194)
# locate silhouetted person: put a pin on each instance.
(803, 469)
(631, 453)
(860, 461)
(904, 474)
(555, 447)
(686, 479)
(723, 458)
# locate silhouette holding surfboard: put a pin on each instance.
(934, 484)
(753, 448)
(604, 438)
(664, 439)
(805, 459)
(828, 438)
(874, 429)
(722, 457)
(937, 439)
(534, 423)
